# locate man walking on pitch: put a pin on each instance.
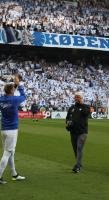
(9, 127)
(77, 124)
(34, 110)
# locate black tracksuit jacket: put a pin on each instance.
(78, 114)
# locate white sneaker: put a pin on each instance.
(18, 178)
(2, 181)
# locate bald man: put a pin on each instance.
(77, 124)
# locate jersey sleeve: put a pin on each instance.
(68, 114)
(22, 97)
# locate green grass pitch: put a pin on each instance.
(44, 155)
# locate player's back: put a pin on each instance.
(9, 109)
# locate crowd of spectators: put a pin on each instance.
(86, 17)
(53, 84)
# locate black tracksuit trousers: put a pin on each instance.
(78, 142)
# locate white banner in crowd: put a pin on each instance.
(70, 41)
(58, 115)
(8, 36)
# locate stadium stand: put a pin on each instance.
(53, 84)
(86, 17)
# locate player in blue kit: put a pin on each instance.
(9, 127)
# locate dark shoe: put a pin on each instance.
(76, 169)
(2, 181)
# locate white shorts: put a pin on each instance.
(9, 139)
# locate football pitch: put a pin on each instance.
(44, 155)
